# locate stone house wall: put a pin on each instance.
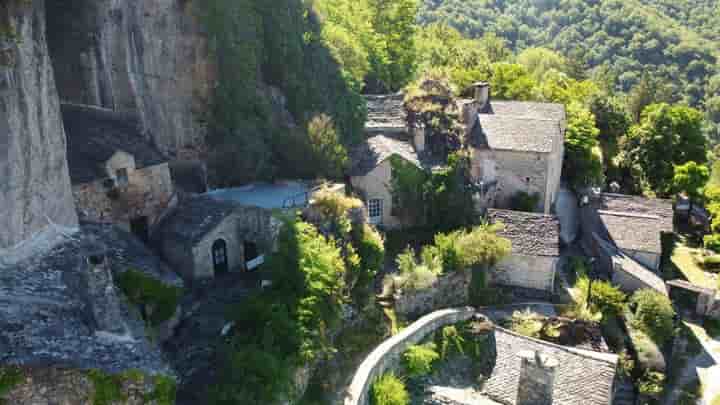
(452, 290)
(377, 185)
(387, 356)
(148, 194)
(202, 252)
(515, 172)
(534, 272)
(555, 164)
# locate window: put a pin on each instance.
(375, 210)
(122, 177)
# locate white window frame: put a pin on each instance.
(375, 210)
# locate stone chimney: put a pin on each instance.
(482, 94)
(537, 378)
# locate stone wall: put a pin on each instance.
(34, 180)
(448, 291)
(387, 356)
(147, 56)
(534, 272)
(649, 260)
(147, 194)
(515, 172)
(58, 386)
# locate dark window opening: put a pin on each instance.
(219, 255)
(251, 251)
(122, 177)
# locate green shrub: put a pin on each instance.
(711, 263)
(419, 359)
(626, 364)
(652, 384)
(607, 298)
(451, 340)
(389, 390)
(712, 242)
(10, 377)
(371, 249)
(523, 201)
(649, 355)
(527, 323)
(164, 392)
(160, 300)
(654, 315)
(107, 389)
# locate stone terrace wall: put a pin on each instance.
(452, 290)
(387, 355)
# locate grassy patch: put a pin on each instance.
(164, 392)
(684, 260)
(10, 377)
(159, 300)
(108, 388)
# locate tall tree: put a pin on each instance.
(667, 136)
(691, 178)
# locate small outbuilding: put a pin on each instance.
(535, 252)
(205, 237)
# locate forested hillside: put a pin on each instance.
(672, 40)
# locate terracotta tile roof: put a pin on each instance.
(530, 233)
(582, 377)
(375, 150)
(386, 113)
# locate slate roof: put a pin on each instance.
(518, 126)
(530, 233)
(386, 113)
(375, 150)
(94, 135)
(638, 205)
(194, 218)
(527, 109)
(582, 377)
(628, 265)
(633, 231)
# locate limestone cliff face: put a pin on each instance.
(146, 56)
(34, 180)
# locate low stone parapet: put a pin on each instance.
(387, 356)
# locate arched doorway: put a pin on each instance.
(220, 259)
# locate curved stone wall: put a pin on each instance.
(387, 355)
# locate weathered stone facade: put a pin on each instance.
(187, 237)
(449, 291)
(376, 186)
(34, 182)
(148, 57)
(534, 272)
(148, 194)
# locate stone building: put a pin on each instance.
(117, 175)
(535, 250)
(371, 176)
(635, 225)
(518, 146)
(205, 237)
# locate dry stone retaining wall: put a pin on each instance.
(449, 291)
(387, 356)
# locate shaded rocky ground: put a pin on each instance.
(193, 350)
(62, 308)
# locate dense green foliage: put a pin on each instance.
(279, 43)
(288, 325)
(10, 377)
(107, 388)
(389, 390)
(607, 299)
(157, 301)
(667, 136)
(653, 314)
(418, 360)
(620, 39)
(690, 179)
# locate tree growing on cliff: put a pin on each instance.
(329, 154)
